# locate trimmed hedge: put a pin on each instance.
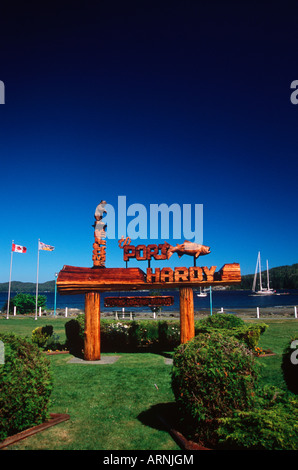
(25, 386)
(117, 336)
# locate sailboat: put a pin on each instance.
(202, 293)
(262, 291)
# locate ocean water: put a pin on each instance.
(220, 299)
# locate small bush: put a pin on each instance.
(129, 336)
(290, 365)
(114, 336)
(38, 337)
(74, 330)
(25, 386)
(45, 338)
(212, 376)
(41, 335)
(168, 335)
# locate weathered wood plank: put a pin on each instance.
(76, 280)
(187, 325)
(92, 327)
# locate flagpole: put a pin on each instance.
(8, 299)
(55, 294)
(37, 281)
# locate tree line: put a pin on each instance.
(282, 277)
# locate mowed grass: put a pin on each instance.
(24, 325)
(109, 405)
(277, 337)
(113, 406)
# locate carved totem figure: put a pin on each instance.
(99, 245)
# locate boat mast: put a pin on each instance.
(260, 272)
(268, 283)
(255, 276)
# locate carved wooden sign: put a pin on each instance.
(92, 281)
(139, 301)
(162, 251)
(76, 280)
(192, 274)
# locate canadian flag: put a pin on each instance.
(18, 248)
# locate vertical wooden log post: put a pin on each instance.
(187, 322)
(92, 327)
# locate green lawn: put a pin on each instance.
(276, 338)
(108, 405)
(25, 325)
(112, 406)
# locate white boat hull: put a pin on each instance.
(264, 292)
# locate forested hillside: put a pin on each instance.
(26, 287)
(282, 277)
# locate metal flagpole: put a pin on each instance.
(56, 274)
(8, 299)
(37, 281)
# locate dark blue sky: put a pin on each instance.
(163, 102)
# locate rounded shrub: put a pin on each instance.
(74, 330)
(168, 335)
(41, 335)
(25, 386)
(212, 376)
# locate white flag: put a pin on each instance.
(43, 246)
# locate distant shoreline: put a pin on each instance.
(249, 313)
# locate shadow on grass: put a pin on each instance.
(151, 417)
(163, 417)
(166, 417)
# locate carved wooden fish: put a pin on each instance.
(188, 248)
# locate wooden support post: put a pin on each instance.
(187, 324)
(92, 327)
